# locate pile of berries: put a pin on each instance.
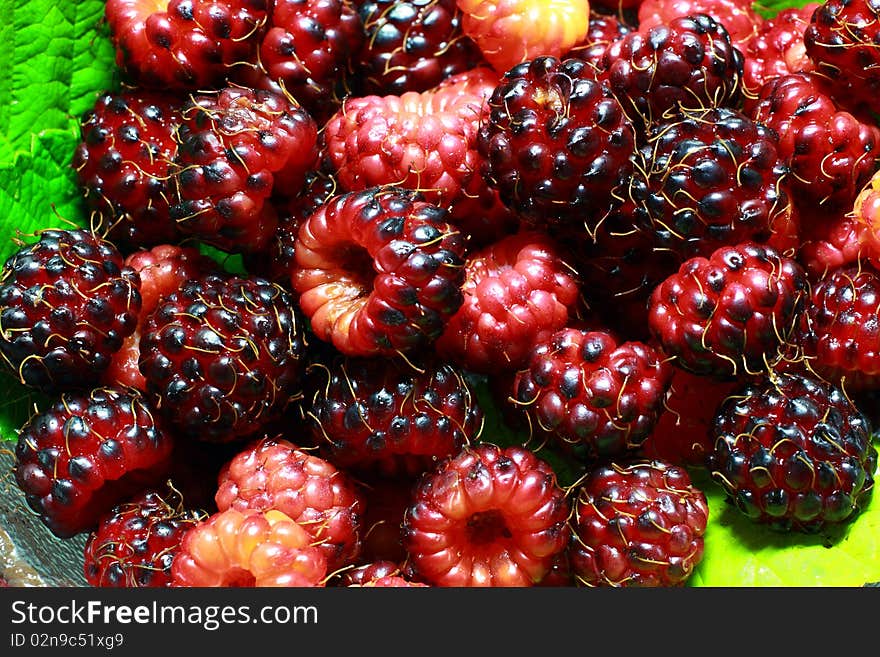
(330, 238)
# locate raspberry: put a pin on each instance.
(393, 581)
(222, 355)
(737, 16)
(488, 516)
(832, 238)
(248, 549)
(135, 543)
(191, 44)
(368, 573)
(865, 215)
(830, 153)
(236, 147)
(390, 417)
(273, 473)
(509, 32)
(603, 30)
(777, 48)
(713, 178)
(792, 452)
(637, 523)
(87, 452)
(731, 313)
(556, 142)
(162, 270)
(411, 45)
(379, 271)
(516, 292)
(838, 331)
(595, 397)
(126, 148)
(67, 301)
(688, 62)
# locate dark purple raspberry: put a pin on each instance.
(730, 314)
(222, 356)
(67, 302)
(792, 452)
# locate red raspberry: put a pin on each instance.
(67, 301)
(237, 146)
(162, 270)
(792, 452)
(87, 452)
(595, 397)
(603, 30)
(688, 62)
(273, 473)
(830, 153)
(509, 32)
(222, 356)
(379, 271)
(517, 291)
(411, 45)
(637, 523)
(135, 543)
(126, 147)
(557, 143)
(777, 48)
(865, 215)
(831, 238)
(369, 572)
(393, 581)
(389, 417)
(737, 16)
(729, 314)
(489, 516)
(248, 549)
(714, 178)
(184, 44)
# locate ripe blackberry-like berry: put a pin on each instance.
(237, 147)
(378, 272)
(273, 473)
(737, 16)
(713, 177)
(411, 45)
(135, 543)
(222, 356)
(730, 314)
(637, 523)
(127, 144)
(67, 302)
(689, 63)
(596, 398)
(488, 516)
(792, 452)
(87, 452)
(557, 143)
(604, 29)
(390, 417)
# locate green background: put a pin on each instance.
(55, 58)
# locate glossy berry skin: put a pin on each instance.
(391, 418)
(793, 453)
(411, 45)
(556, 142)
(516, 292)
(184, 44)
(237, 147)
(379, 271)
(865, 214)
(637, 523)
(689, 62)
(730, 314)
(248, 549)
(87, 452)
(135, 543)
(273, 473)
(67, 302)
(488, 516)
(127, 144)
(838, 331)
(596, 398)
(833, 239)
(830, 153)
(714, 178)
(737, 16)
(222, 356)
(604, 29)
